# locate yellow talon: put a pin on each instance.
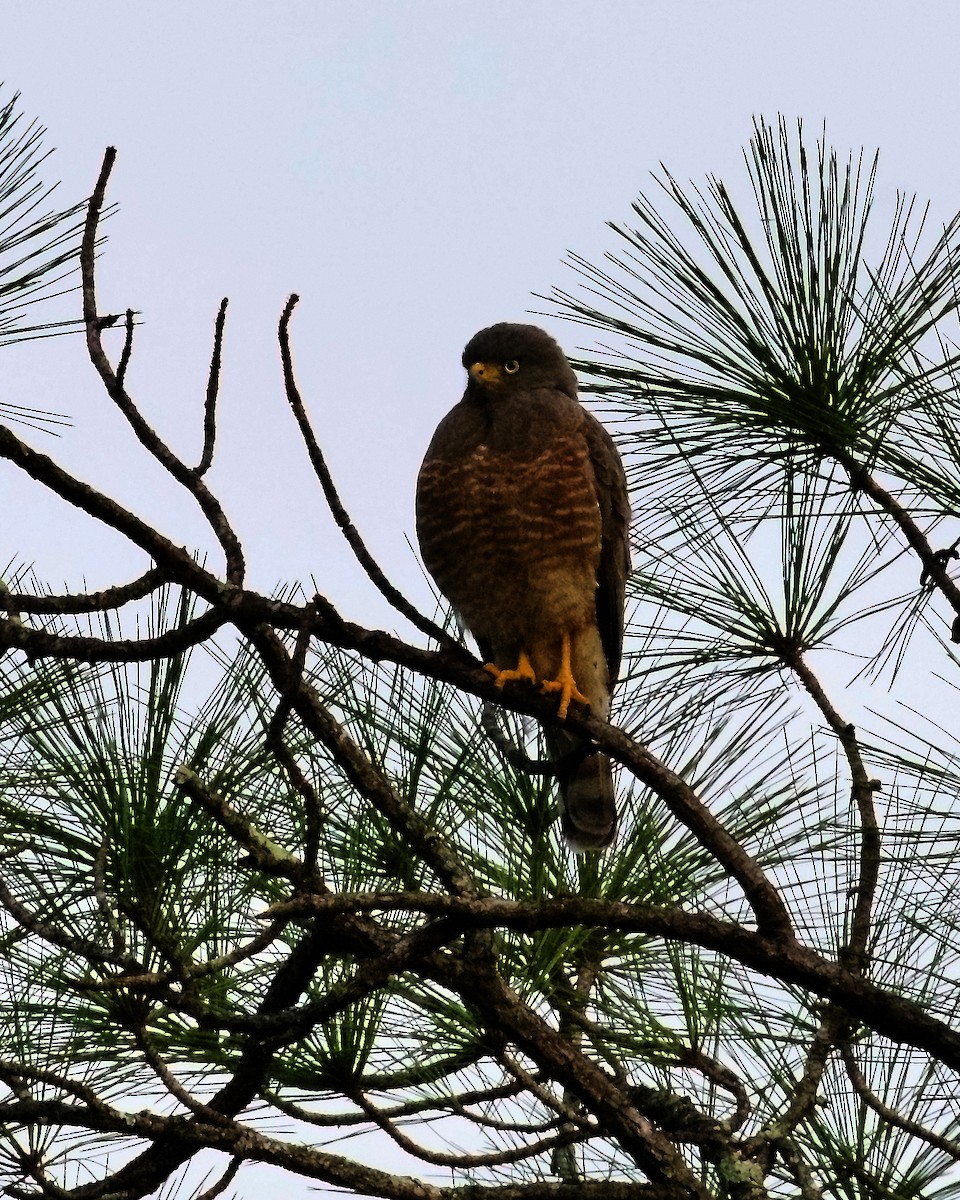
(523, 670)
(565, 683)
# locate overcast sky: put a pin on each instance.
(414, 171)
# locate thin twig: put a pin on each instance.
(220, 1185)
(88, 602)
(147, 436)
(172, 1084)
(127, 348)
(723, 1078)
(56, 936)
(213, 388)
(934, 563)
(571, 1025)
(515, 755)
(340, 514)
(181, 565)
(313, 807)
(566, 1111)
(243, 952)
(12, 1072)
(118, 942)
(949, 1146)
(266, 854)
(464, 1161)
(854, 953)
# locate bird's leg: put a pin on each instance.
(565, 683)
(523, 670)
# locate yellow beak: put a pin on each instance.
(486, 373)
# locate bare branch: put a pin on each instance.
(934, 563)
(82, 947)
(89, 602)
(463, 1161)
(37, 643)
(265, 853)
(127, 348)
(854, 953)
(147, 436)
(213, 387)
(313, 807)
(340, 514)
(895, 1017)
(566, 1110)
(220, 1185)
(172, 1084)
(949, 1146)
(180, 565)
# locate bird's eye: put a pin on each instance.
(511, 366)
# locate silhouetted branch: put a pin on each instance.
(220, 1185)
(340, 514)
(723, 1078)
(892, 1015)
(210, 401)
(934, 561)
(38, 644)
(854, 953)
(127, 348)
(112, 597)
(56, 936)
(461, 1159)
(949, 1146)
(147, 436)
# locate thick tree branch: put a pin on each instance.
(364, 776)
(486, 993)
(897, 1018)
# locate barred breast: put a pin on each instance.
(513, 541)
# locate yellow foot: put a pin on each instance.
(523, 671)
(565, 683)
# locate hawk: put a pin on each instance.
(522, 519)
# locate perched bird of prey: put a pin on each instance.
(522, 517)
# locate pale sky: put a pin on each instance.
(415, 171)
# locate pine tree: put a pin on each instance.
(330, 897)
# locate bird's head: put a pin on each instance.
(506, 357)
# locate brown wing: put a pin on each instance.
(614, 501)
